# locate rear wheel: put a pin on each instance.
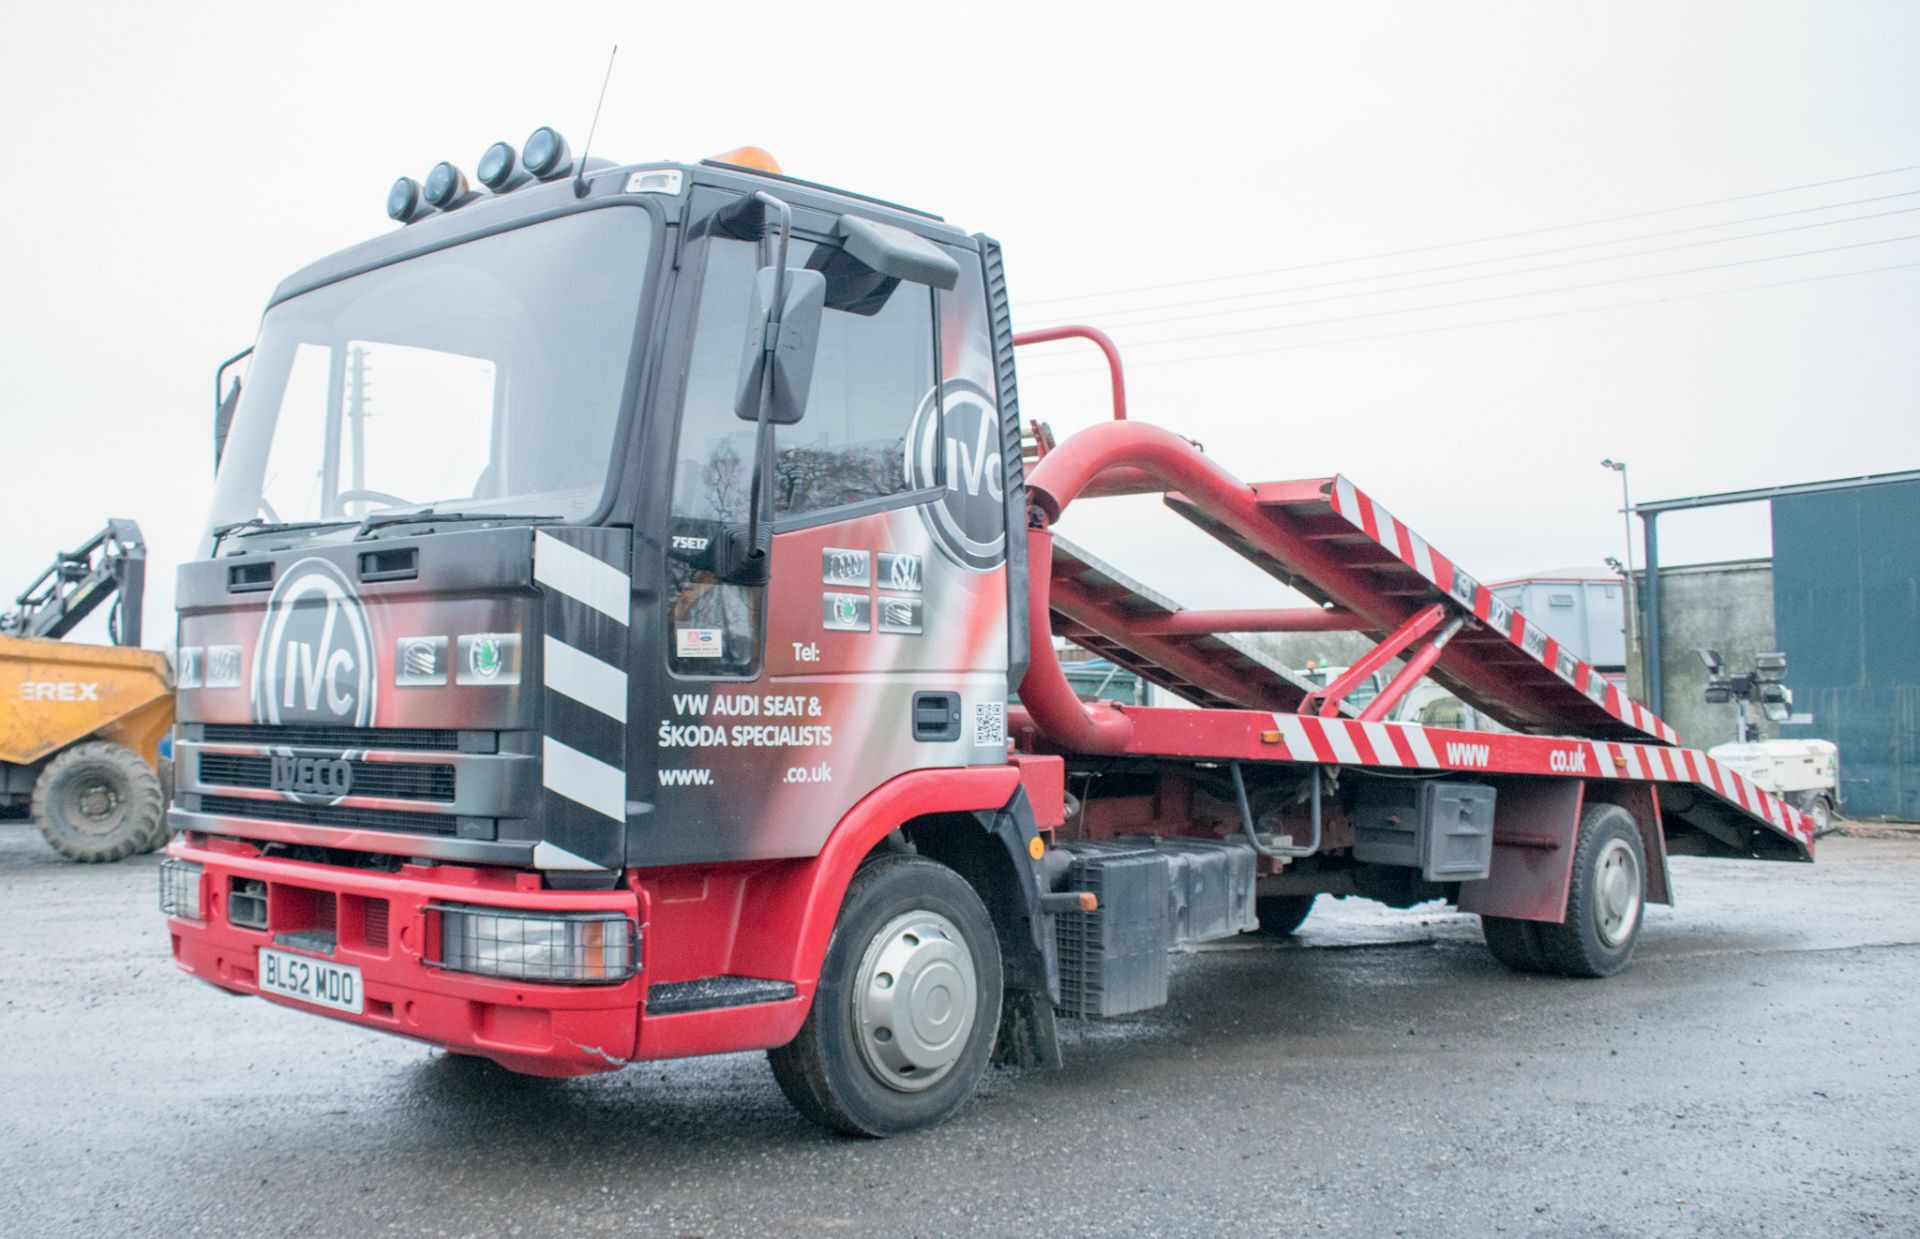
(1280, 915)
(907, 1007)
(98, 802)
(1513, 943)
(1820, 809)
(1606, 900)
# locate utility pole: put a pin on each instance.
(1626, 525)
(357, 402)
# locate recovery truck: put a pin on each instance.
(638, 592)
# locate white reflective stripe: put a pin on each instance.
(1602, 760)
(1632, 753)
(582, 779)
(1346, 499)
(581, 577)
(1338, 740)
(586, 679)
(1422, 557)
(1382, 741)
(1383, 526)
(1657, 764)
(1416, 737)
(1294, 732)
(552, 856)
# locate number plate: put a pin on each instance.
(335, 986)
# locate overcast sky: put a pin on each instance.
(1175, 173)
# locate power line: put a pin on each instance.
(1492, 322)
(1480, 262)
(1532, 292)
(1498, 275)
(1503, 236)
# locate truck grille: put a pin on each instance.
(441, 738)
(339, 816)
(395, 780)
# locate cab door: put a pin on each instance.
(879, 644)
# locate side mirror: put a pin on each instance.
(872, 259)
(790, 356)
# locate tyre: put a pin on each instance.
(163, 771)
(1513, 943)
(98, 802)
(1606, 901)
(907, 1007)
(1820, 808)
(1280, 915)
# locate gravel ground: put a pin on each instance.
(1756, 1072)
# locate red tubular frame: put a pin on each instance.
(1239, 512)
(1411, 674)
(1102, 341)
(1329, 698)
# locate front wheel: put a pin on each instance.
(907, 1007)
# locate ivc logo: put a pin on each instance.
(968, 520)
(315, 663)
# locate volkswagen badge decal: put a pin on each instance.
(315, 660)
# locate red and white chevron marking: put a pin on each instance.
(1373, 519)
(1310, 738)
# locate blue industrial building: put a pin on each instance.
(1846, 598)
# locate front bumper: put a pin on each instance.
(379, 923)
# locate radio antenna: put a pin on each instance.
(580, 177)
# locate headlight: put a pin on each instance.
(180, 888)
(578, 948)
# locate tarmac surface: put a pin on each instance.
(1756, 1072)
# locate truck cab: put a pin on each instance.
(582, 555)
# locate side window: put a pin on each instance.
(713, 629)
(870, 376)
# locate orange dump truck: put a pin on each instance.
(81, 725)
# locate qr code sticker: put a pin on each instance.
(989, 722)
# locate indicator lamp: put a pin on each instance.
(499, 169)
(546, 154)
(446, 186)
(403, 200)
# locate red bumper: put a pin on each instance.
(380, 926)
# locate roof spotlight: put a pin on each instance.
(403, 201)
(446, 186)
(546, 154)
(499, 169)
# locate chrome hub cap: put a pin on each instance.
(1616, 904)
(914, 1001)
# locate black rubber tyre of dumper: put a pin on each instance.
(163, 771)
(98, 802)
(1280, 915)
(827, 1071)
(1609, 876)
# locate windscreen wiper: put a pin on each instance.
(255, 525)
(381, 520)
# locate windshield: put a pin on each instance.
(485, 377)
